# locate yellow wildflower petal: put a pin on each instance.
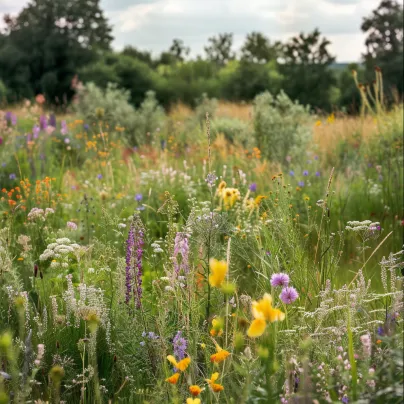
(257, 328)
(218, 272)
(182, 365)
(220, 356)
(276, 315)
(263, 307)
(172, 360)
(191, 400)
(214, 376)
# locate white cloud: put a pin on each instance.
(153, 24)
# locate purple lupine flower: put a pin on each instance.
(13, 119)
(280, 279)
(301, 183)
(12, 176)
(289, 295)
(180, 346)
(52, 120)
(291, 173)
(43, 124)
(253, 187)
(134, 253)
(181, 247)
(7, 116)
(318, 174)
(35, 131)
(10, 118)
(305, 173)
(63, 128)
(130, 243)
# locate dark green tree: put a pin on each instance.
(143, 56)
(219, 49)
(384, 42)
(306, 67)
(258, 49)
(51, 40)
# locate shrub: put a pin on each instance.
(234, 130)
(112, 104)
(205, 105)
(280, 125)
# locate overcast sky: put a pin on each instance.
(153, 24)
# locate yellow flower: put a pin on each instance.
(318, 123)
(215, 386)
(181, 365)
(218, 271)
(173, 379)
(229, 196)
(220, 355)
(191, 400)
(263, 312)
(195, 390)
(20, 259)
(258, 199)
(217, 329)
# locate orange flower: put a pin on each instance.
(217, 329)
(195, 390)
(215, 386)
(220, 355)
(173, 379)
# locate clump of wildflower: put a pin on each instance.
(39, 214)
(289, 295)
(211, 180)
(179, 345)
(71, 225)
(134, 253)
(181, 247)
(280, 279)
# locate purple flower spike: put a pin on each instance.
(280, 279)
(289, 295)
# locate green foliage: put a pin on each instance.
(280, 126)
(306, 67)
(205, 105)
(46, 44)
(384, 42)
(112, 104)
(234, 130)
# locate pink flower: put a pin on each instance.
(289, 295)
(280, 279)
(72, 225)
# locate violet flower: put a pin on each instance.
(134, 253)
(280, 279)
(181, 247)
(180, 346)
(289, 295)
(253, 187)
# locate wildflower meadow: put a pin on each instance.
(230, 253)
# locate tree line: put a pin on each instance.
(52, 43)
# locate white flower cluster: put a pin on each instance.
(366, 229)
(59, 252)
(38, 213)
(374, 188)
